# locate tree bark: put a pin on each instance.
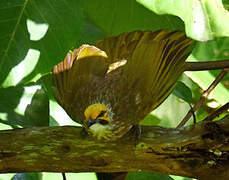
(200, 151)
(207, 65)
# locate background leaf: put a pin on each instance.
(37, 112)
(116, 16)
(27, 176)
(201, 17)
(35, 36)
(210, 51)
(182, 91)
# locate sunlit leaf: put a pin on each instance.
(147, 175)
(150, 120)
(209, 51)
(171, 111)
(203, 19)
(70, 176)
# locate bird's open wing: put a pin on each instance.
(155, 60)
(120, 47)
(70, 77)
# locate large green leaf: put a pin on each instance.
(35, 35)
(116, 16)
(203, 19)
(14, 102)
(10, 100)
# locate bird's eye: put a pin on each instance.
(101, 114)
(102, 121)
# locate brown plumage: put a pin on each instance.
(113, 86)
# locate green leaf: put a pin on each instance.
(10, 99)
(116, 16)
(14, 101)
(27, 176)
(180, 177)
(35, 35)
(182, 91)
(46, 81)
(171, 111)
(150, 120)
(6, 176)
(147, 175)
(70, 176)
(37, 112)
(203, 19)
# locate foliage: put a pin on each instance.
(35, 35)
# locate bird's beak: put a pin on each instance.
(91, 122)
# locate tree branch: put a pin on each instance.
(209, 65)
(203, 97)
(216, 113)
(194, 151)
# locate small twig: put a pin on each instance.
(193, 114)
(64, 176)
(216, 113)
(203, 98)
(211, 65)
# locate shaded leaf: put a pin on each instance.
(47, 81)
(34, 35)
(13, 103)
(116, 16)
(10, 99)
(37, 112)
(27, 176)
(182, 91)
(53, 122)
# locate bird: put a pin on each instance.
(111, 86)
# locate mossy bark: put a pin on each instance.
(200, 151)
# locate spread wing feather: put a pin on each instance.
(155, 60)
(71, 76)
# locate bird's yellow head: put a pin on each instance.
(97, 120)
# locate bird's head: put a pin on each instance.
(98, 120)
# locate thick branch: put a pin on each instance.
(193, 151)
(208, 65)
